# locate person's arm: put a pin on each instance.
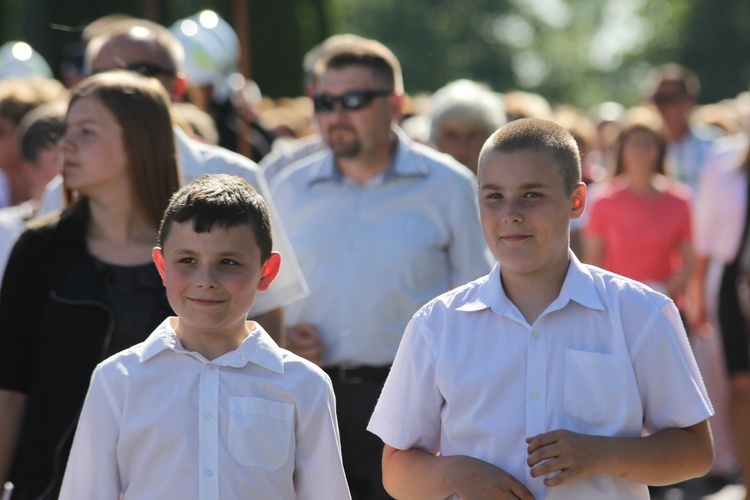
(304, 340)
(697, 309)
(416, 474)
(676, 284)
(666, 457)
(273, 323)
(12, 407)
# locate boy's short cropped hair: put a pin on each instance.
(542, 136)
(223, 200)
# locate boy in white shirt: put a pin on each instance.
(209, 406)
(547, 378)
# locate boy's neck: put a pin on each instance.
(209, 344)
(532, 294)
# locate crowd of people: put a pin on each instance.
(605, 322)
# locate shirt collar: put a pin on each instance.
(578, 286)
(405, 163)
(258, 348)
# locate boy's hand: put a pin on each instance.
(303, 340)
(571, 455)
(472, 478)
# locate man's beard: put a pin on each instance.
(344, 148)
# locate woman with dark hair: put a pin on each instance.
(639, 224)
(80, 285)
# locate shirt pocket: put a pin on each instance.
(260, 432)
(595, 386)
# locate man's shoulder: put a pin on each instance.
(198, 158)
(300, 170)
(439, 165)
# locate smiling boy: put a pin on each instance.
(537, 380)
(209, 406)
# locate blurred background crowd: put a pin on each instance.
(664, 144)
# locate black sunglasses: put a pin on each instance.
(143, 68)
(350, 101)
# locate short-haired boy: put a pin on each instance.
(209, 406)
(541, 378)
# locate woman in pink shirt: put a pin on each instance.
(639, 223)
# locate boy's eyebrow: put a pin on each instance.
(528, 185)
(227, 253)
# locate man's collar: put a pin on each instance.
(259, 348)
(405, 163)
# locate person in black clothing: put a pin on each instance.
(80, 285)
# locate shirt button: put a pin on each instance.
(208, 415)
(535, 335)
(536, 395)
(208, 472)
(211, 367)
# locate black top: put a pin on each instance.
(57, 324)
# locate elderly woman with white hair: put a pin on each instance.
(462, 116)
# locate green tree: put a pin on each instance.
(571, 51)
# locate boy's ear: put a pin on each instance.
(579, 201)
(159, 261)
(270, 270)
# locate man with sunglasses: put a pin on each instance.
(673, 89)
(380, 225)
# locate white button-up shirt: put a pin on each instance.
(163, 422)
(374, 253)
(608, 357)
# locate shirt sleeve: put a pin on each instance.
(319, 470)
(92, 470)
(662, 352)
(407, 414)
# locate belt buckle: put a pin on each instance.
(344, 376)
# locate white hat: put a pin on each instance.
(18, 59)
(212, 50)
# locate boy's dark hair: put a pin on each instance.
(539, 135)
(220, 199)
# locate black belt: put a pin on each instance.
(357, 374)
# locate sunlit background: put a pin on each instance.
(571, 51)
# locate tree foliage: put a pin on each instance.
(573, 51)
